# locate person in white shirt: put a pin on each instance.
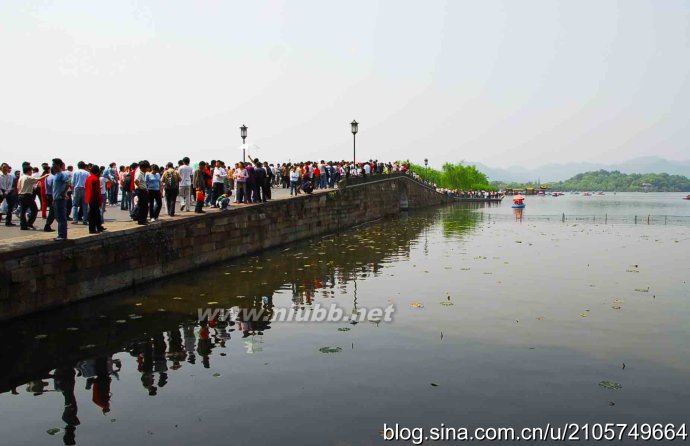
(294, 181)
(104, 180)
(218, 182)
(240, 183)
(27, 202)
(8, 197)
(186, 172)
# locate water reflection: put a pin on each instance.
(457, 221)
(157, 324)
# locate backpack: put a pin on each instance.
(171, 181)
(127, 182)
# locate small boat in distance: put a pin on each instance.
(518, 202)
(686, 198)
(587, 194)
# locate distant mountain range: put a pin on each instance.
(560, 172)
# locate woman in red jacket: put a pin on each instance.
(92, 194)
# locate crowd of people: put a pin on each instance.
(82, 195)
(473, 194)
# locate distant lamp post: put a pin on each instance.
(355, 128)
(243, 134)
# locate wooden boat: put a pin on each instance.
(686, 198)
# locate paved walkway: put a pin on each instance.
(115, 219)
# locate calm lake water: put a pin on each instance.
(515, 323)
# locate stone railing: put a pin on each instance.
(41, 274)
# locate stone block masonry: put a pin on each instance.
(40, 275)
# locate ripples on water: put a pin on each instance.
(516, 323)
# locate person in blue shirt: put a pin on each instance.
(153, 184)
(60, 183)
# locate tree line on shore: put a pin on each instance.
(603, 180)
(454, 176)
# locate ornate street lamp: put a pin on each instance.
(355, 127)
(243, 134)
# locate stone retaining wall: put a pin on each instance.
(40, 275)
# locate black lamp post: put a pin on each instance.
(355, 127)
(243, 133)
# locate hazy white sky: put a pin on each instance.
(501, 82)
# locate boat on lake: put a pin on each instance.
(686, 198)
(518, 202)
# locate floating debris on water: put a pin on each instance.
(611, 385)
(331, 349)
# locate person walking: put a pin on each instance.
(60, 185)
(141, 193)
(125, 181)
(8, 196)
(268, 182)
(153, 184)
(48, 187)
(171, 185)
(27, 202)
(240, 183)
(133, 170)
(259, 180)
(92, 195)
(218, 184)
(186, 173)
(199, 183)
(294, 180)
(112, 175)
(79, 205)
